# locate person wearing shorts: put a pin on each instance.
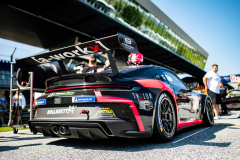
(3, 107)
(21, 101)
(211, 81)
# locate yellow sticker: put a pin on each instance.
(105, 110)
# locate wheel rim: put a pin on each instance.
(167, 116)
(209, 111)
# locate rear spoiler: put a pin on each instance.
(103, 44)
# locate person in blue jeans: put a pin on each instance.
(3, 106)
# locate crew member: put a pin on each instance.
(135, 59)
(211, 81)
(90, 67)
(223, 93)
(18, 100)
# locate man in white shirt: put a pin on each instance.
(211, 81)
(21, 101)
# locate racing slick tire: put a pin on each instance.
(165, 119)
(208, 115)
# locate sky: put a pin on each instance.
(213, 24)
(22, 50)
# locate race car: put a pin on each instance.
(131, 101)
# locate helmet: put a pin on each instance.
(135, 59)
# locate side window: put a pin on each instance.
(153, 74)
(173, 80)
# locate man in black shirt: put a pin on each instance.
(223, 93)
(92, 66)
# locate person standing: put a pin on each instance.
(21, 101)
(223, 93)
(211, 81)
(3, 106)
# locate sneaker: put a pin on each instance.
(215, 118)
(17, 124)
(239, 116)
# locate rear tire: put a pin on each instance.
(165, 119)
(208, 115)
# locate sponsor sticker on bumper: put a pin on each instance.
(41, 102)
(83, 99)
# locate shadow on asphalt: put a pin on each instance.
(135, 145)
(9, 148)
(18, 138)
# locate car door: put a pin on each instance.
(184, 97)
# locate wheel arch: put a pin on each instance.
(207, 98)
(156, 103)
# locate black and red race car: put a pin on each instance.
(131, 102)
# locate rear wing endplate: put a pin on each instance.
(103, 44)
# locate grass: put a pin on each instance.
(8, 129)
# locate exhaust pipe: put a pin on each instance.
(64, 130)
(55, 129)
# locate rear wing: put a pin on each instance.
(103, 44)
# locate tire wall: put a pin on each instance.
(41, 73)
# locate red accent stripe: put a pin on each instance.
(187, 123)
(158, 84)
(100, 98)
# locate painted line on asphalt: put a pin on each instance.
(191, 135)
(226, 124)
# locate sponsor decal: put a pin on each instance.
(105, 112)
(83, 99)
(57, 100)
(127, 41)
(62, 111)
(142, 96)
(235, 78)
(145, 104)
(41, 102)
(144, 100)
(74, 53)
(128, 46)
(60, 94)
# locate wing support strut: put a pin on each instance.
(112, 63)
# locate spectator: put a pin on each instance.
(211, 81)
(18, 100)
(91, 67)
(3, 106)
(223, 93)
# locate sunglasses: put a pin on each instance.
(215, 68)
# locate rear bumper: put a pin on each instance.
(233, 106)
(89, 130)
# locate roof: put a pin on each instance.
(47, 23)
